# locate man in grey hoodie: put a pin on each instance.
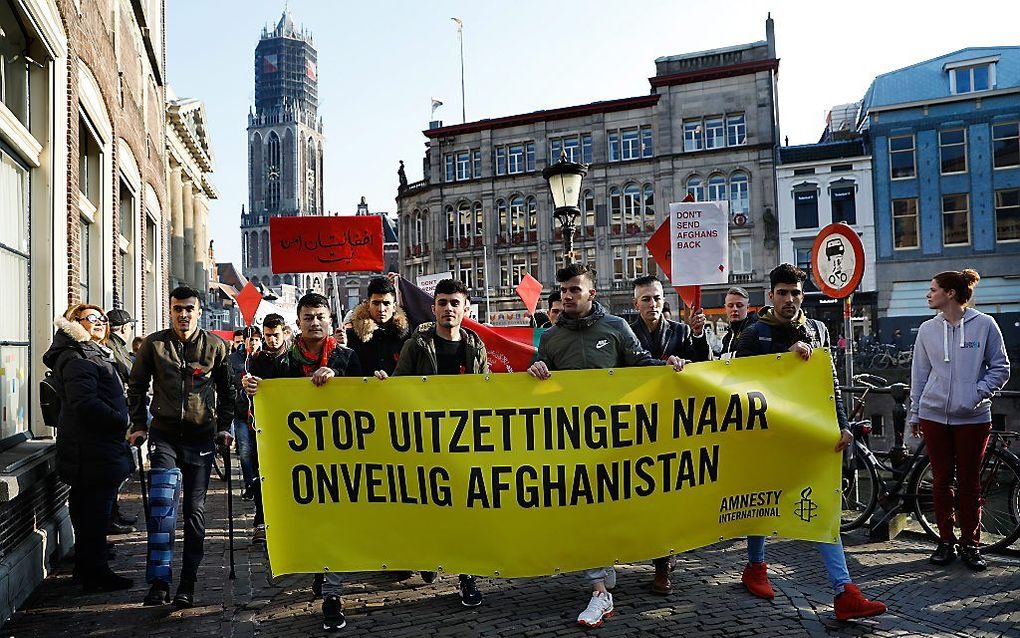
(959, 363)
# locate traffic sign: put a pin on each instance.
(837, 260)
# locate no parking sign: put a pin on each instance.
(837, 260)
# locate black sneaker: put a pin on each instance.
(185, 596)
(972, 557)
(333, 614)
(105, 581)
(428, 577)
(258, 537)
(248, 494)
(469, 594)
(944, 554)
(114, 528)
(159, 594)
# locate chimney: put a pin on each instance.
(770, 35)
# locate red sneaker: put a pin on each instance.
(852, 604)
(756, 579)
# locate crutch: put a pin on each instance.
(230, 508)
(141, 479)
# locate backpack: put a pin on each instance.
(49, 400)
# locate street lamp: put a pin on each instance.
(564, 179)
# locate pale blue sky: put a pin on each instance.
(381, 62)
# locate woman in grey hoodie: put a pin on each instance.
(959, 363)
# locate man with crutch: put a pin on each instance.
(192, 409)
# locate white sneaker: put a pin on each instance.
(599, 607)
(610, 579)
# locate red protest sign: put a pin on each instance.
(530, 291)
(326, 244)
(248, 301)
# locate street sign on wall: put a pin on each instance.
(837, 260)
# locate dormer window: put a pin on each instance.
(971, 76)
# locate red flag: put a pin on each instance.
(659, 247)
(530, 291)
(331, 244)
(248, 301)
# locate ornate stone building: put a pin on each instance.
(285, 147)
(708, 127)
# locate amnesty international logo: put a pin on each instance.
(806, 508)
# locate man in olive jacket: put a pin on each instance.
(192, 409)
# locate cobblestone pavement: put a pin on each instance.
(708, 599)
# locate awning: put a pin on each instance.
(992, 295)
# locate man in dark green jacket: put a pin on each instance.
(445, 347)
(192, 409)
(587, 337)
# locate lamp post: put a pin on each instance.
(564, 179)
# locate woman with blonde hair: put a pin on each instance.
(959, 363)
(93, 456)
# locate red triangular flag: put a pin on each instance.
(530, 291)
(248, 301)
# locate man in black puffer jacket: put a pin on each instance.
(378, 328)
(92, 455)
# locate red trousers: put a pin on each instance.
(957, 450)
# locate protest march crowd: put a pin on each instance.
(187, 395)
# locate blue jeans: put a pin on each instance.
(832, 554)
(245, 452)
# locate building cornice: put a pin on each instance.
(608, 106)
(716, 73)
(963, 97)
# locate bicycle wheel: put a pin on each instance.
(881, 361)
(860, 490)
(1000, 494)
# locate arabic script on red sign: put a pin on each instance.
(326, 244)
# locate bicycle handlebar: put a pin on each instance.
(871, 381)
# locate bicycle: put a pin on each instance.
(910, 487)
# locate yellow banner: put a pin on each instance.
(510, 476)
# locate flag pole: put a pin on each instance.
(460, 32)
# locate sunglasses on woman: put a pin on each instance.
(94, 319)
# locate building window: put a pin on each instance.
(588, 211)
(844, 204)
(631, 204)
(1007, 215)
(15, 83)
(715, 132)
(464, 217)
(128, 285)
(805, 208)
(518, 219)
(692, 135)
(740, 199)
(613, 141)
(476, 162)
(619, 270)
(716, 188)
(630, 143)
(1006, 144)
(736, 130)
(905, 230)
(529, 156)
(696, 188)
(953, 151)
(646, 141)
(449, 174)
(740, 255)
(15, 264)
(955, 220)
(803, 259)
(273, 173)
(649, 203)
(972, 79)
(531, 206)
(464, 165)
(615, 207)
(90, 162)
(901, 157)
(500, 160)
(479, 220)
(451, 223)
(502, 217)
(513, 159)
(576, 147)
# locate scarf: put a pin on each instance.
(310, 362)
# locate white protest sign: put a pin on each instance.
(699, 243)
(428, 282)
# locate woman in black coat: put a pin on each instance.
(93, 456)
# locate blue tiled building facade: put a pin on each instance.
(946, 170)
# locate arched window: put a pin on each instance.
(501, 215)
(631, 204)
(696, 188)
(464, 220)
(479, 219)
(648, 205)
(716, 188)
(273, 172)
(615, 207)
(451, 223)
(287, 165)
(740, 201)
(517, 215)
(255, 165)
(311, 179)
(253, 250)
(423, 227)
(588, 210)
(531, 207)
(287, 279)
(244, 250)
(276, 280)
(415, 228)
(264, 248)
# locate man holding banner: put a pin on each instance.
(586, 337)
(785, 328)
(446, 347)
(316, 354)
